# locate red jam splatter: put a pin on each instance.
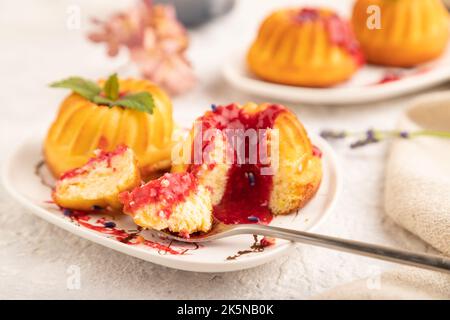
(316, 151)
(267, 241)
(341, 34)
(247, 193)
(339, 31)
(83, 218)
(170, 189)
(398, 74)
(121, 94)
(102, 156)
(390, 77)
(73, 173)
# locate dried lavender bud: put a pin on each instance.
(109, 224)
(67, 212)
(253, 218)
(213, 107)
(330, 134)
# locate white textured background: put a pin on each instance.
(37, 48)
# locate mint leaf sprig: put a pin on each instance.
(373, 136)
(109, 95)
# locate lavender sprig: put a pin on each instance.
(373, 136)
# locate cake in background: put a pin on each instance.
(103, 116)
(311, 47)
(411, 31)
(156, 41)
(98, 183)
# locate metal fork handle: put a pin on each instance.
(427, 261)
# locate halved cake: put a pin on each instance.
(99, 182)
(257, 160)
(176, 202)
(82, 126)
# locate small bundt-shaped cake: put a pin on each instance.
(82, 126)
(410, 32)
(305, 47)
(99, 182)
(257, 160)
(175, 201)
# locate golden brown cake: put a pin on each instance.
(277, 173)
(82, 126)
(174, 201)
(304, 47)
(411, 31)
(99, 182)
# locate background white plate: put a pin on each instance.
(363, 87)
(25, 185)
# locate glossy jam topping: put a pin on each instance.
(101, 156)
(100, 225)
(338, 30)
(247, 192)
(167, 191)
(316, 151)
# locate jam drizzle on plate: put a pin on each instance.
(88, 220)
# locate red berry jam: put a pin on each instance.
(390, 76)
(247, 192)
(307, 14)
(316, 151)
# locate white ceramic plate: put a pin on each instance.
(27, 184)
(363, 87)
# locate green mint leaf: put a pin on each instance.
(103, 101)
(85, 88)
(111, 87)
(142, 101)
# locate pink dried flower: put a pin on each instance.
(156, 41)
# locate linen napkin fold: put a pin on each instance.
(417, 197)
